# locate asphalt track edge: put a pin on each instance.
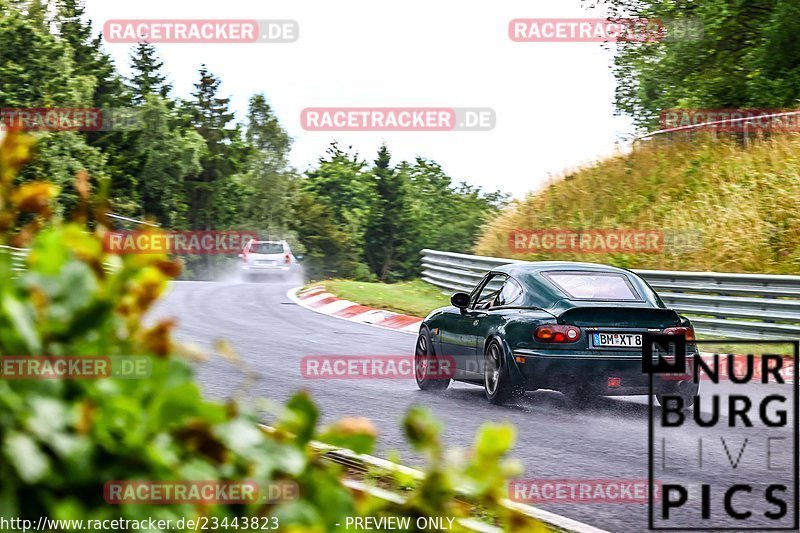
(552, 519)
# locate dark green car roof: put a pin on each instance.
(541, 292)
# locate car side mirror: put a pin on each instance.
(298, 257)
(460, 300)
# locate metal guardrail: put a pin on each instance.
(363, 463)
(133, 220)
(727, 305)
(17, 257)
(711, 126)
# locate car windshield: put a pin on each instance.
(266, 248)
(593, 285)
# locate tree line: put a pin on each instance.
(746, 55)
(190, 164)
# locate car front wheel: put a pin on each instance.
(496, 377)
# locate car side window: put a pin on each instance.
(511, 291)
(487, 296)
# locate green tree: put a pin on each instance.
(449, 217)
(390, 243)
(341, 182)
(330, 214)
(148, 77)
(329, 252)
(166, 155)
(268, 181)
(35, 67)
(210, 194)
(746, 55)
(74, 28)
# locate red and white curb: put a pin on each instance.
(317, 299)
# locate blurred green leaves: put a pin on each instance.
(61, 441)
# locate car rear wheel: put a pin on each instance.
(428, 367)
(685, 389)
(496, 377)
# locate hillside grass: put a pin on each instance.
(743, 200)
(415, 298)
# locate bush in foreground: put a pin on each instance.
(62, 440)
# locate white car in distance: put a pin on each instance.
(266, 258)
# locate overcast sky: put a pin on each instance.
(553, 101)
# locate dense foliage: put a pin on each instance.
(371, 223)
(748, 56)
(188, 163)
(61, 440)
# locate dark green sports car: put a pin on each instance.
(572, 327)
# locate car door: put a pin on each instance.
(477, 318)
(457, 334)
(509, 292)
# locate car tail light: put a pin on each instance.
(287, 259)
(557, 333)
(686, 332)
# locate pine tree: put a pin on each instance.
(89, 60)
(211, 117)
(147, 78)
(390, 234)
(37, 12)
(268, 178)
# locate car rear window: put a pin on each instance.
(266, 248)
(593, 285)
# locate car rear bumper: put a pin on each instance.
(265, 269)
(612, 373)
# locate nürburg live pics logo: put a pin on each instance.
(730, 461)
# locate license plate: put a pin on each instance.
(265, 262)
(618, 340)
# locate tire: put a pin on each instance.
(685, 389)
(496, 377)
(423, 355)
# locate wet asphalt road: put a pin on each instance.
(555, 440)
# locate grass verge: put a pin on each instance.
(737, 204)
(415, 297)
(418, 298)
